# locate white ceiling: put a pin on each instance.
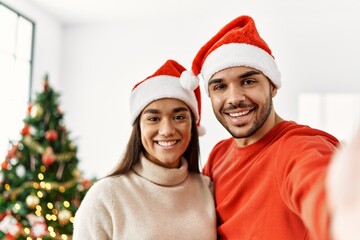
(84, 11)
(75, 11)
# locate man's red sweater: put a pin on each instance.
(274, 188)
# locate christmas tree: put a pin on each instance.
(41, 186)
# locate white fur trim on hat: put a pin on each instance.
(240, 54)
(159, 87)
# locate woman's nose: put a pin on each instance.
(166, 127)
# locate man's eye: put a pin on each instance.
(248, 81)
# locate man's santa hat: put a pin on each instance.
(165, 83)
(237, 44)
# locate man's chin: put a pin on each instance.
(238, 132)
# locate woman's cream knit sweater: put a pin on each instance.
(149, 202)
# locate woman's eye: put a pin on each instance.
(153, 119)
(219, 87)
(179, 117)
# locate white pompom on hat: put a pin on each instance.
(188, 80)
(165, 83)
(237, 44)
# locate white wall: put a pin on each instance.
(315, 43)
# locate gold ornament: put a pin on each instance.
(76, 173)
(64, 216)
(36, 111)
(72, 145)
(32, 201)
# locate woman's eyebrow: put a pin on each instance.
(157, 111)
(180, 109)
(152, 111)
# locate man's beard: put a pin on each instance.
(256, 125)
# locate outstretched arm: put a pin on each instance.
(343, 191)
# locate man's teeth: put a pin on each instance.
(238, 114)
(166, 144)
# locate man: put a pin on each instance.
(270, 178)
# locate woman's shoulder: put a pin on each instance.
(98, 190)
(203, 183)
(102, 193)
(203, 179)
(103, 187)
(94, 216)
(108, 183)
(102, 183)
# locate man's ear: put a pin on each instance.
(273, 89)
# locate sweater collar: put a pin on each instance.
(268, 137)
(161, 175)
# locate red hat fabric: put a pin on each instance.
(165, 83)
(237, 44)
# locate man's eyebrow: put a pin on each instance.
(244, 75)
(249, 74)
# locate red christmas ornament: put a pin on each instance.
(76, 203)
(86, 183)
(51, 135)
(5, 165)
(48, 157)
(47, 160)
(2, 215)
(25, 130)
(12, 152)
(29, 107)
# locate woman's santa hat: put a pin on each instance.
(236, 44)
(165, 83)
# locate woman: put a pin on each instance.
(156, 190)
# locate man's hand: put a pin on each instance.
(343, 191)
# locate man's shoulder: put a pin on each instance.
(296, 130)
(224, 142)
